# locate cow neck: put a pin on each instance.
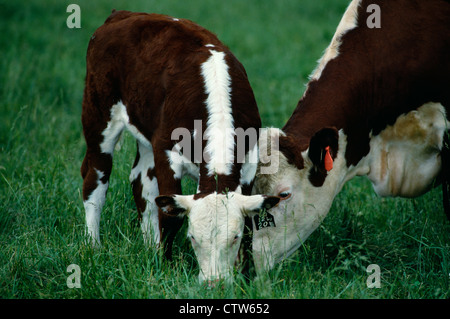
(321, 106)
(219, 183)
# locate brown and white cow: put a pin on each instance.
(154, 75)
(378, 105)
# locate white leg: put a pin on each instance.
(97, 165)
(93, 207)
(145, 187)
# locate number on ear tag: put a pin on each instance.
(264, 219)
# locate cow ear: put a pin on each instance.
(174, 205)
(323, 149)
(253, 204)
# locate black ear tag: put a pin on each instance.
(264, 219)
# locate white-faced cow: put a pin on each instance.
(152, 75)
(376, 105)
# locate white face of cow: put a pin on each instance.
(303, 205)
(216, 227)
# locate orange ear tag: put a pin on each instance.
(328, 159)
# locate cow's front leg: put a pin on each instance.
(168, 175)
(145, 190)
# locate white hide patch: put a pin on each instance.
(216, 226)
(180, 165)
(93, 207)
(220, 125)
(119, 120)
(299, 215)
(248, 169)
(150, 190)
(405, 157)
(146, 161)
(150, 220)
(213, 221)
(347, 23)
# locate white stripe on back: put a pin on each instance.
(348, 22)
(219, 132)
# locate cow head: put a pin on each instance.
(216, 227)
(307, 179)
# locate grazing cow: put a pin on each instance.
(376, 105)
(155, 75)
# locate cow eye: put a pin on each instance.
(284, 195)
(192, 239)
(235, 239)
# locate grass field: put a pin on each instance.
(42, 70)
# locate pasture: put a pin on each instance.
(42, 70)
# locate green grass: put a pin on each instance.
(41, 148)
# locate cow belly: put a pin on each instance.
(405, 157)
(406, 171)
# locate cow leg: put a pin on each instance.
(145, 190)
(246, 248)
(96, 170)
(169, 183)
(244, 260)
(169, 227)
(101, 139)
